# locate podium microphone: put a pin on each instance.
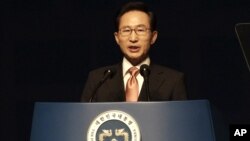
(107, 74)
(145, 71)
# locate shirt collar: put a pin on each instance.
(127, 65)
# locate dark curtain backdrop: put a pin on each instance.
(49, 46)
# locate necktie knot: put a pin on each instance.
(134, 71)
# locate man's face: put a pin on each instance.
(135, 47)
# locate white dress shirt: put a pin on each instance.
(126, 65)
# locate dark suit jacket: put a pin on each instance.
(164, 84)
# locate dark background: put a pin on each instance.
(49, 46)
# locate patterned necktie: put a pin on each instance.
(132, 87)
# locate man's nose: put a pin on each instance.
(133, 36)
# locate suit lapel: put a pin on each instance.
(155, 81)
(115, 86)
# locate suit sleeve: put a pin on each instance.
(88, 88)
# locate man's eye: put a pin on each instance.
(126, 30)
(140, 29)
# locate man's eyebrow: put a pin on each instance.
(139, 25)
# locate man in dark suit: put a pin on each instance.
(136, 33)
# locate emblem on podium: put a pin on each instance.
(114, 125)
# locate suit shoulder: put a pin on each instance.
(166, 70)
(103, 69)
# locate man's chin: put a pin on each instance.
(135, 60)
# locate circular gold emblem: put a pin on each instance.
(114, 125)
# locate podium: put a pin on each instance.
(157, 121)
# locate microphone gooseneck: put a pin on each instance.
(145, 72)
(107, 74)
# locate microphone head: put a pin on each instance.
(109, 72)
(144, 70)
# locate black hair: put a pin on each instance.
(138, 6)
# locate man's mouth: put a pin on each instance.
(134, 48)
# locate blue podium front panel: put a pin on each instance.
(157, 121)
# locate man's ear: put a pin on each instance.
(116, 37)
(154, 37)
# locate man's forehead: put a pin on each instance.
(134, 18)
